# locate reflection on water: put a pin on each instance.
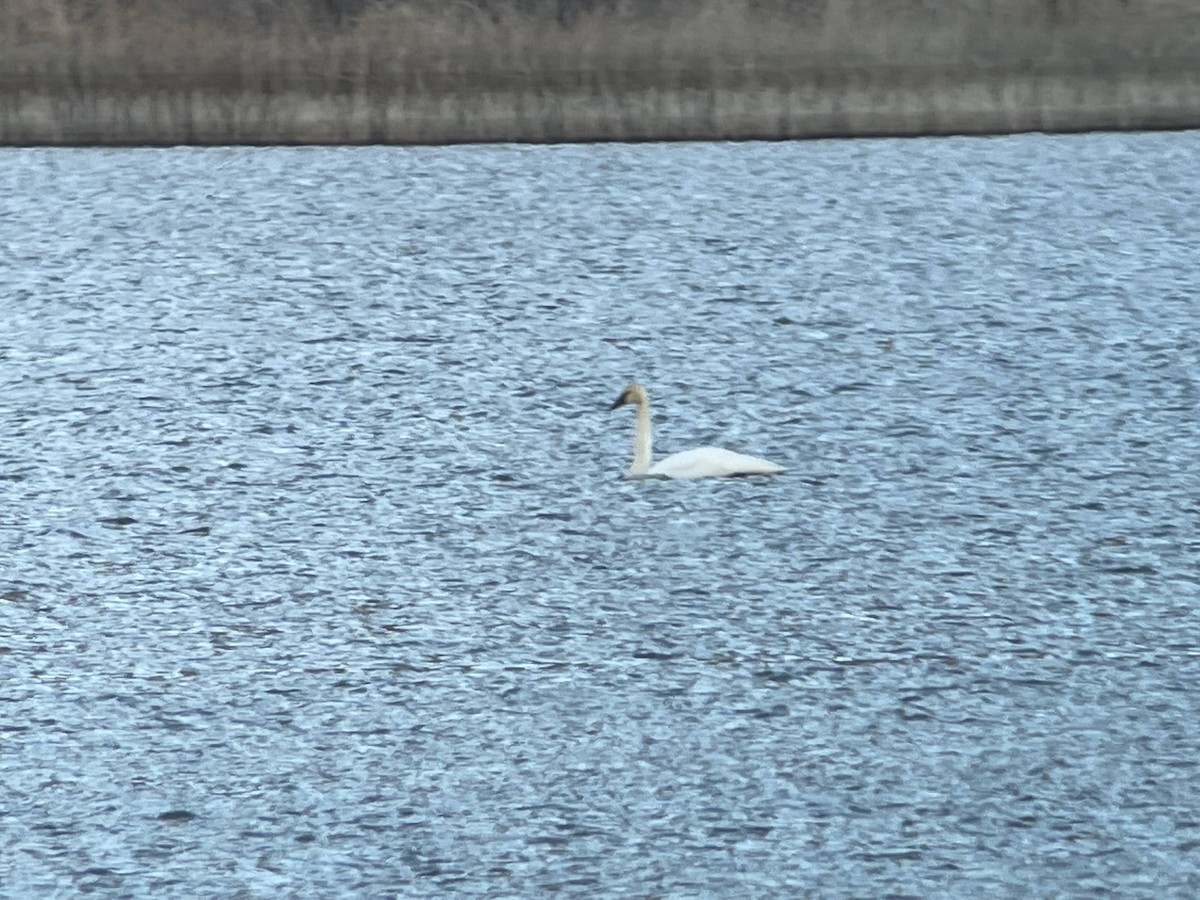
(318, 573)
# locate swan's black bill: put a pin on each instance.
(619, 402)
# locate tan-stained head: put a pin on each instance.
(634, 393)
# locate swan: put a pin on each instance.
(703, 462)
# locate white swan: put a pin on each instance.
(703, 462)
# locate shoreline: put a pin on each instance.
(998, 105)
(405, 73)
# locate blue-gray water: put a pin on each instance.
(319, 575)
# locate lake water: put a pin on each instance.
(319, 575)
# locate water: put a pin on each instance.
(319, 576)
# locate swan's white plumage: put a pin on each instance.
(702, 462)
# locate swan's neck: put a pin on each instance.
(641, 440)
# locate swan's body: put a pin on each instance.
(703, 462)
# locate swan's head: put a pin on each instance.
(634, 393)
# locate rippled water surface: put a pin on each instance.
(318, 574)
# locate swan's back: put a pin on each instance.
(712, 462)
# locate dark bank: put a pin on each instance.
(416, 71)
